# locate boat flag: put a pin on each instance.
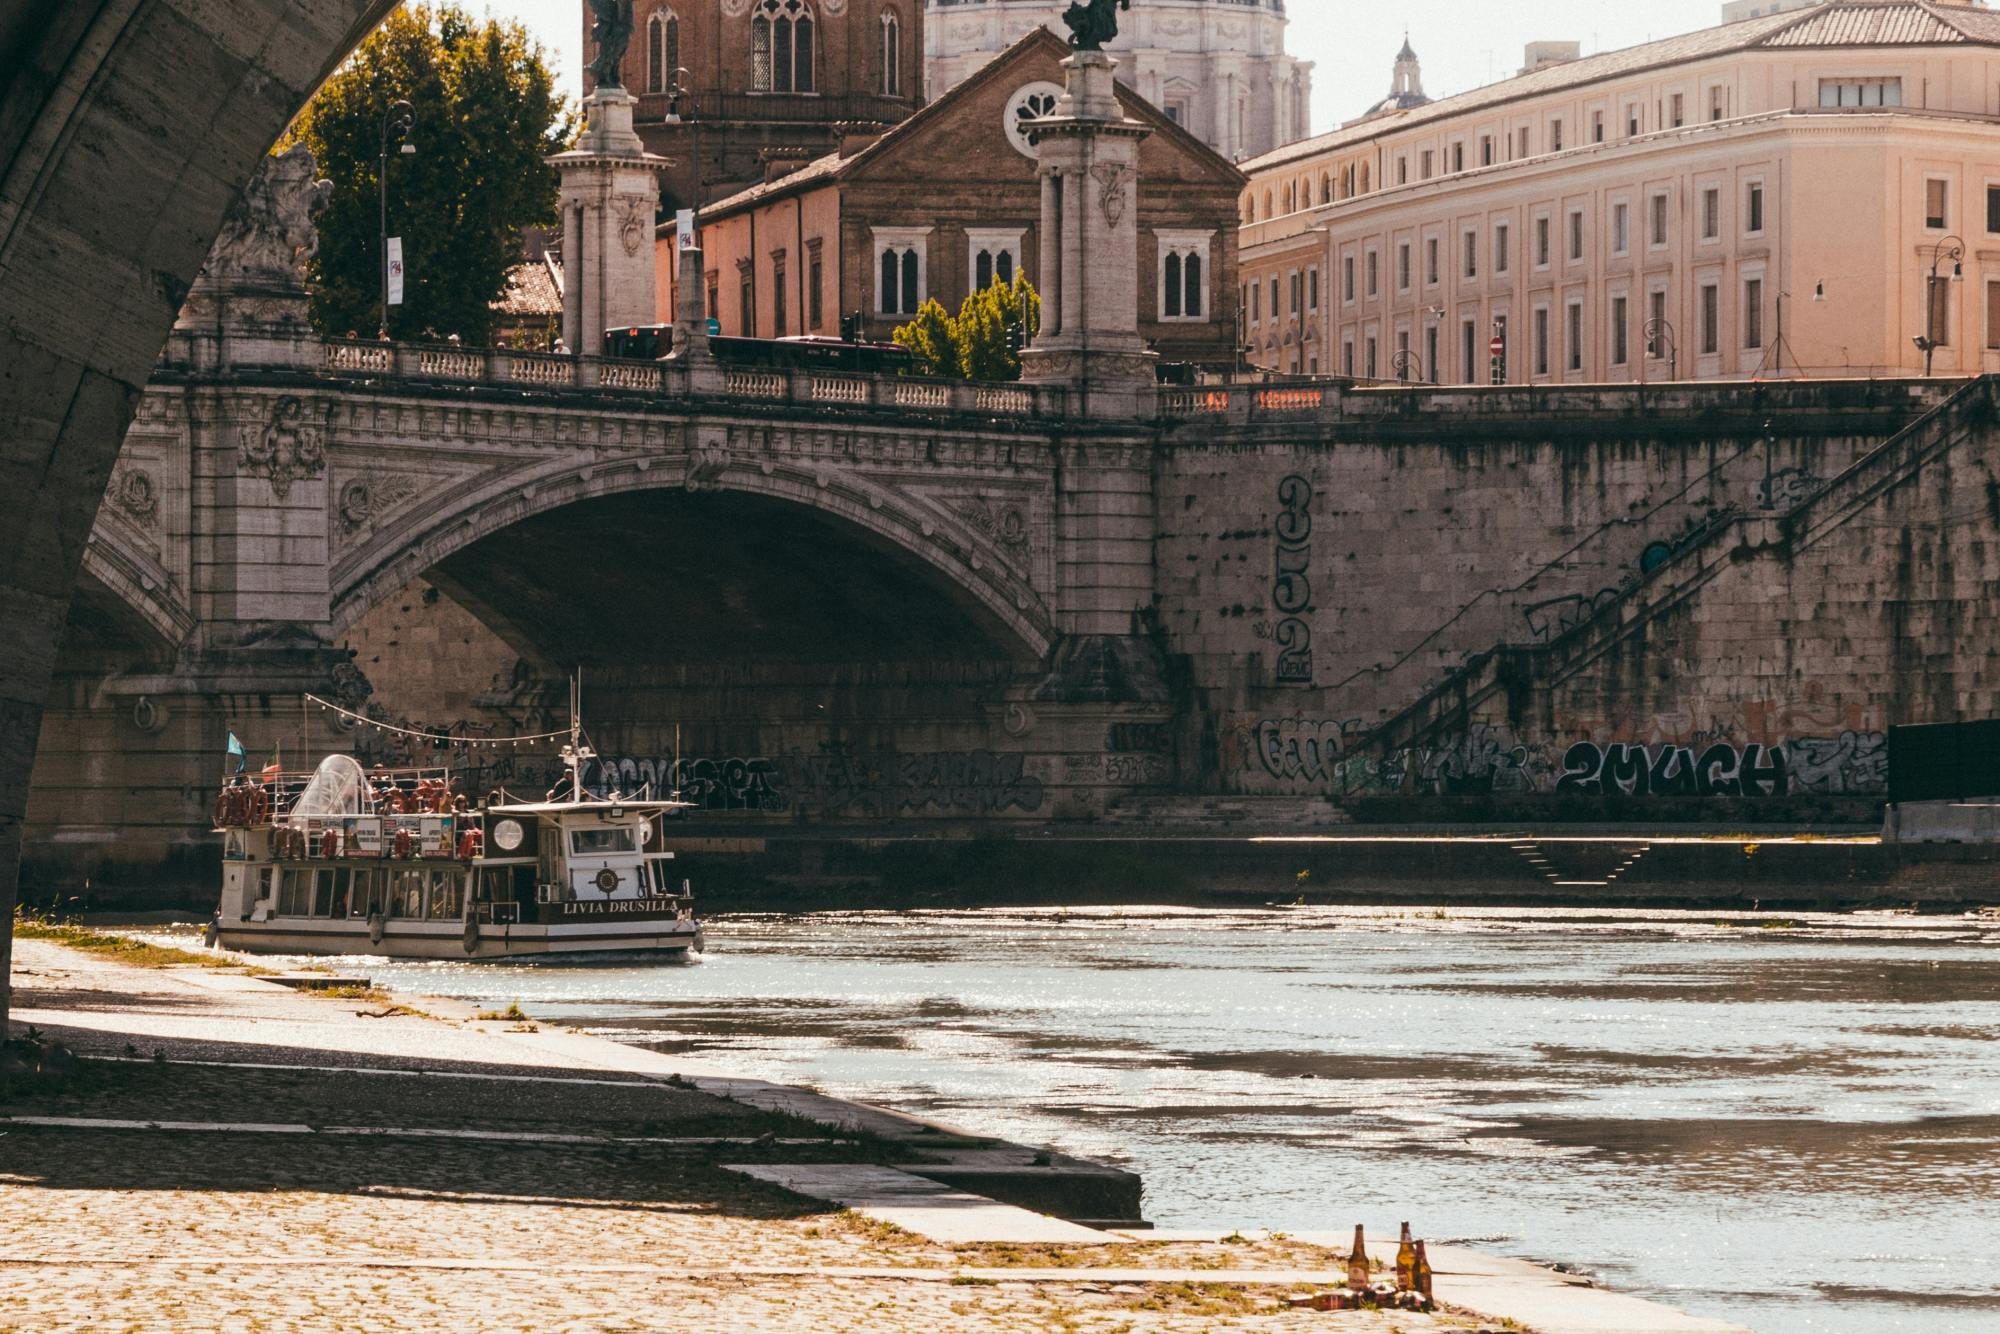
(236, 749)
(271, 772)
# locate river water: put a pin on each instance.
(1793, 1123)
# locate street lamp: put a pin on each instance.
(400, 116)
(1403, 362)
(1952, 248)
(1658, 332)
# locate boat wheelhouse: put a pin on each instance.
(398, 863)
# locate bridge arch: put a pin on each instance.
(127, 129)
(959, 562)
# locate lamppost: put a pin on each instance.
(1402, 363)
(1661, 331)
(400, 115)
(1948, 248)
(678, 91)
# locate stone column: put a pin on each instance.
(610, 196)
(1090, 222)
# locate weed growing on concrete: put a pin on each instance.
(514, 1013)
(123, 949)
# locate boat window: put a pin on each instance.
(334, 888)
(447, 896)
(406, 894)
(263, 884)
(663, 877)
(294, 890)
(367, 893)
(583, 841)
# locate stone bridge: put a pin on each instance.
(836, 599)
(867, 601)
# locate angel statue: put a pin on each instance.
(612, 33)
(1092, 23)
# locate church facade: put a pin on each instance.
(1218, 68)
(850, 234)
(737, 91)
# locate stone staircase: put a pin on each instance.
(1518, 673)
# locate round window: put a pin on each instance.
(507, 835)
(1033, 102)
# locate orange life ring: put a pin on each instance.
(222, 809)
(403, 842)
(257, 806)
(329, 843)
(470, 844)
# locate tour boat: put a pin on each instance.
(397, 862)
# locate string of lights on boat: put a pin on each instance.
(438, 738)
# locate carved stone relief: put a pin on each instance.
(135, 493)
(287, 448)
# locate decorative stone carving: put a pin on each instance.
(705, 465)
(1112, 196)
(285, 449)
(364, 500)
(134, 491)
(254, 277)
(1005, 526)
(635, 222)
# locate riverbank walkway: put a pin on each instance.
(225, 1152)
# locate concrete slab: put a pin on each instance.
(921, 1206)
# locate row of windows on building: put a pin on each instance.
(1482, 360)
(902, 285)
(1936, 210)
(1656, 336)
(781, 49)
(1514, 143)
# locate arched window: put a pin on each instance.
(1326, 188)
(1173, 286)
(663, 50)
(781, 47)
(892, 54)
(1270, 205)
(1364, 178)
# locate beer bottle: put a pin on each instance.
(1357, 1263)
(1406, 1263)
(1423, 1271)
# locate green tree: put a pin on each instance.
(486, 115)
(932, 338)
(984, 340)
(994, 325)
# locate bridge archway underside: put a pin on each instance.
(791, 539)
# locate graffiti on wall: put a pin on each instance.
(1560, 615)
(1301, 750)
(1721, 770)
(1291, 585)
(1301, 755)
(977, 782)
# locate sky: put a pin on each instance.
(1462, 43)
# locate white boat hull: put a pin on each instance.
(448, 940)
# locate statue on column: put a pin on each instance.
(1092, 23)
(612, 33)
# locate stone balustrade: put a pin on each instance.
(803, 388)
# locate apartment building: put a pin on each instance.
(1814, 192)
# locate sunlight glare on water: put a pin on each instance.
(1791, 1123)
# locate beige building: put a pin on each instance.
(1814, 192)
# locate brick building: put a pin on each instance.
(950, 200)
(767, 85)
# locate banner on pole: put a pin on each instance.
(684, 221)
(395, 270)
